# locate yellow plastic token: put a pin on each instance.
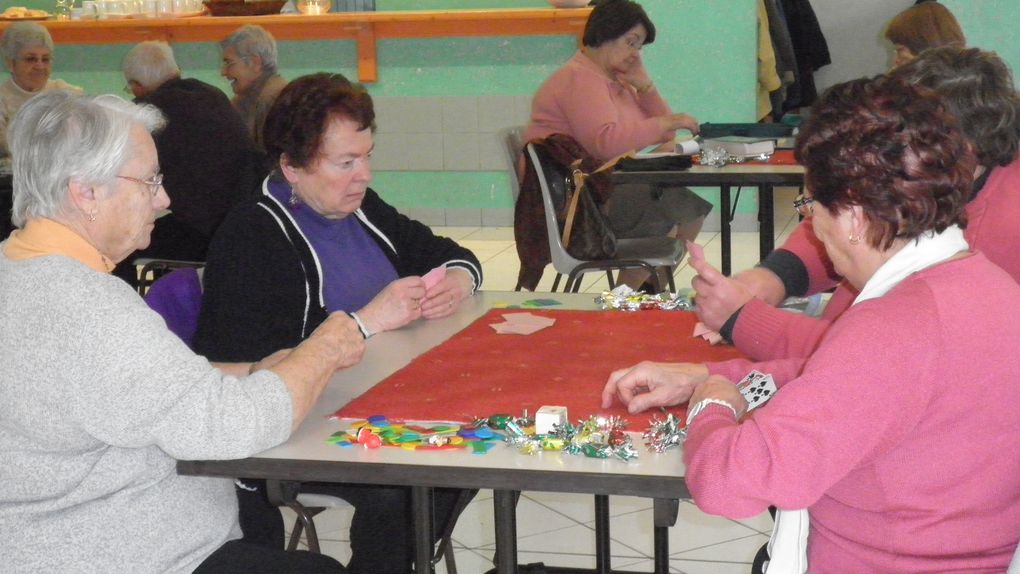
(408, 446)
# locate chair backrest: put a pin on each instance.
(511, 138)
(177, 296)
(550, 174)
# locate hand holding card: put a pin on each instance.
(433, 277)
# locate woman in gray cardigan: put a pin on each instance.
(98, 399)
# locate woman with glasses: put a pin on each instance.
(893, 448)
(317, 241)
(604, 98)
(249, 64)
(28, 53)
(978, 89)
(99, 400)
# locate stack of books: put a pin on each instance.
(741, 146)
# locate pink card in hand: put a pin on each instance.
(432, 278)
(695, 251)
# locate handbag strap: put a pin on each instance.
(578, 178)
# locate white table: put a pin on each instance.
(762, 176)
(306, 456)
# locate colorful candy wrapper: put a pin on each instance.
(663, 434)
(624, 298)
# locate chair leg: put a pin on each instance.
(556, 282)
(445, 549)
(672, 283)
(609, 278)
(304, 522)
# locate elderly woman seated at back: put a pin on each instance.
(920, 373)
(320, 240)
(920, 27)
(28, 52)
(249, 63)
(98, 398)
(604, 98)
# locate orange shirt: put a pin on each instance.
(41, 237)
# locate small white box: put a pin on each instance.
(548, 416)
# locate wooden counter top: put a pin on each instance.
(363, 27)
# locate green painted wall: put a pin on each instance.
(991, 25)
(703, 60)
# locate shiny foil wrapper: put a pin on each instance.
(597, 437)
(663, 434)
(623, 298)
(718, 157)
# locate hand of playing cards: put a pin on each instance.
(757, 388)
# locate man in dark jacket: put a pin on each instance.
(208, 159)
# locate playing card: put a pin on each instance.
(695, 251)
(757, 388)
(433, 277)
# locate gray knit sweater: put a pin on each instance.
(97, 402)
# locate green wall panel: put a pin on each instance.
(464, 189)
(991, 25)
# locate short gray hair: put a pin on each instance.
(21, 35)
(151, 64)
(58, 136)
(251, 40)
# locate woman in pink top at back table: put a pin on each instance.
(604, 98)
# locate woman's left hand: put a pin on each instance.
(636, 75)
(719, 387)
(442, 299)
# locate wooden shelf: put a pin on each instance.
(365, 28)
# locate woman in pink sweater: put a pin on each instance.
(978, 88)
(604, 98)
(898, 434)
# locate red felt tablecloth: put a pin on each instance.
(478, 373)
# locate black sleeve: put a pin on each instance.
(418, 249)
(253, 290)
(790, 270)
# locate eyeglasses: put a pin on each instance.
(154, 183)
(231, 63)
(804, 205)
(33, 60)
(634, 44)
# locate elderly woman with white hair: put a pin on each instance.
(99, 399)
(249, 64)
(28, 52)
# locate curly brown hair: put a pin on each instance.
(978, 88)
(302, 112)
(893, 149)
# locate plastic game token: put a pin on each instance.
(484, 432)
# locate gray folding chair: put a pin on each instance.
(511, 138)
(641, 252)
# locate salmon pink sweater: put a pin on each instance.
(899, 436)
(764, 332)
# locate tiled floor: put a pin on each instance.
(558, 529)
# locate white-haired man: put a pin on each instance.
(208, 158)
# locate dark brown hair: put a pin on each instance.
(891, 148)
(924, 26)
(303, 110)
(978, 88)
(611, 19)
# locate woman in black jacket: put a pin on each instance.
(318, 240)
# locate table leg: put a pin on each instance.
(505, 515)
(664, 513)
(766, 220)
(421, 502)
(602, 539)
(725, 222)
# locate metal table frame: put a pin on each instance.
(307, 457)
(763, 176)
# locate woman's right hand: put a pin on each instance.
(340, 337)
(649, 384)
(675, 122)
(396, 305)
